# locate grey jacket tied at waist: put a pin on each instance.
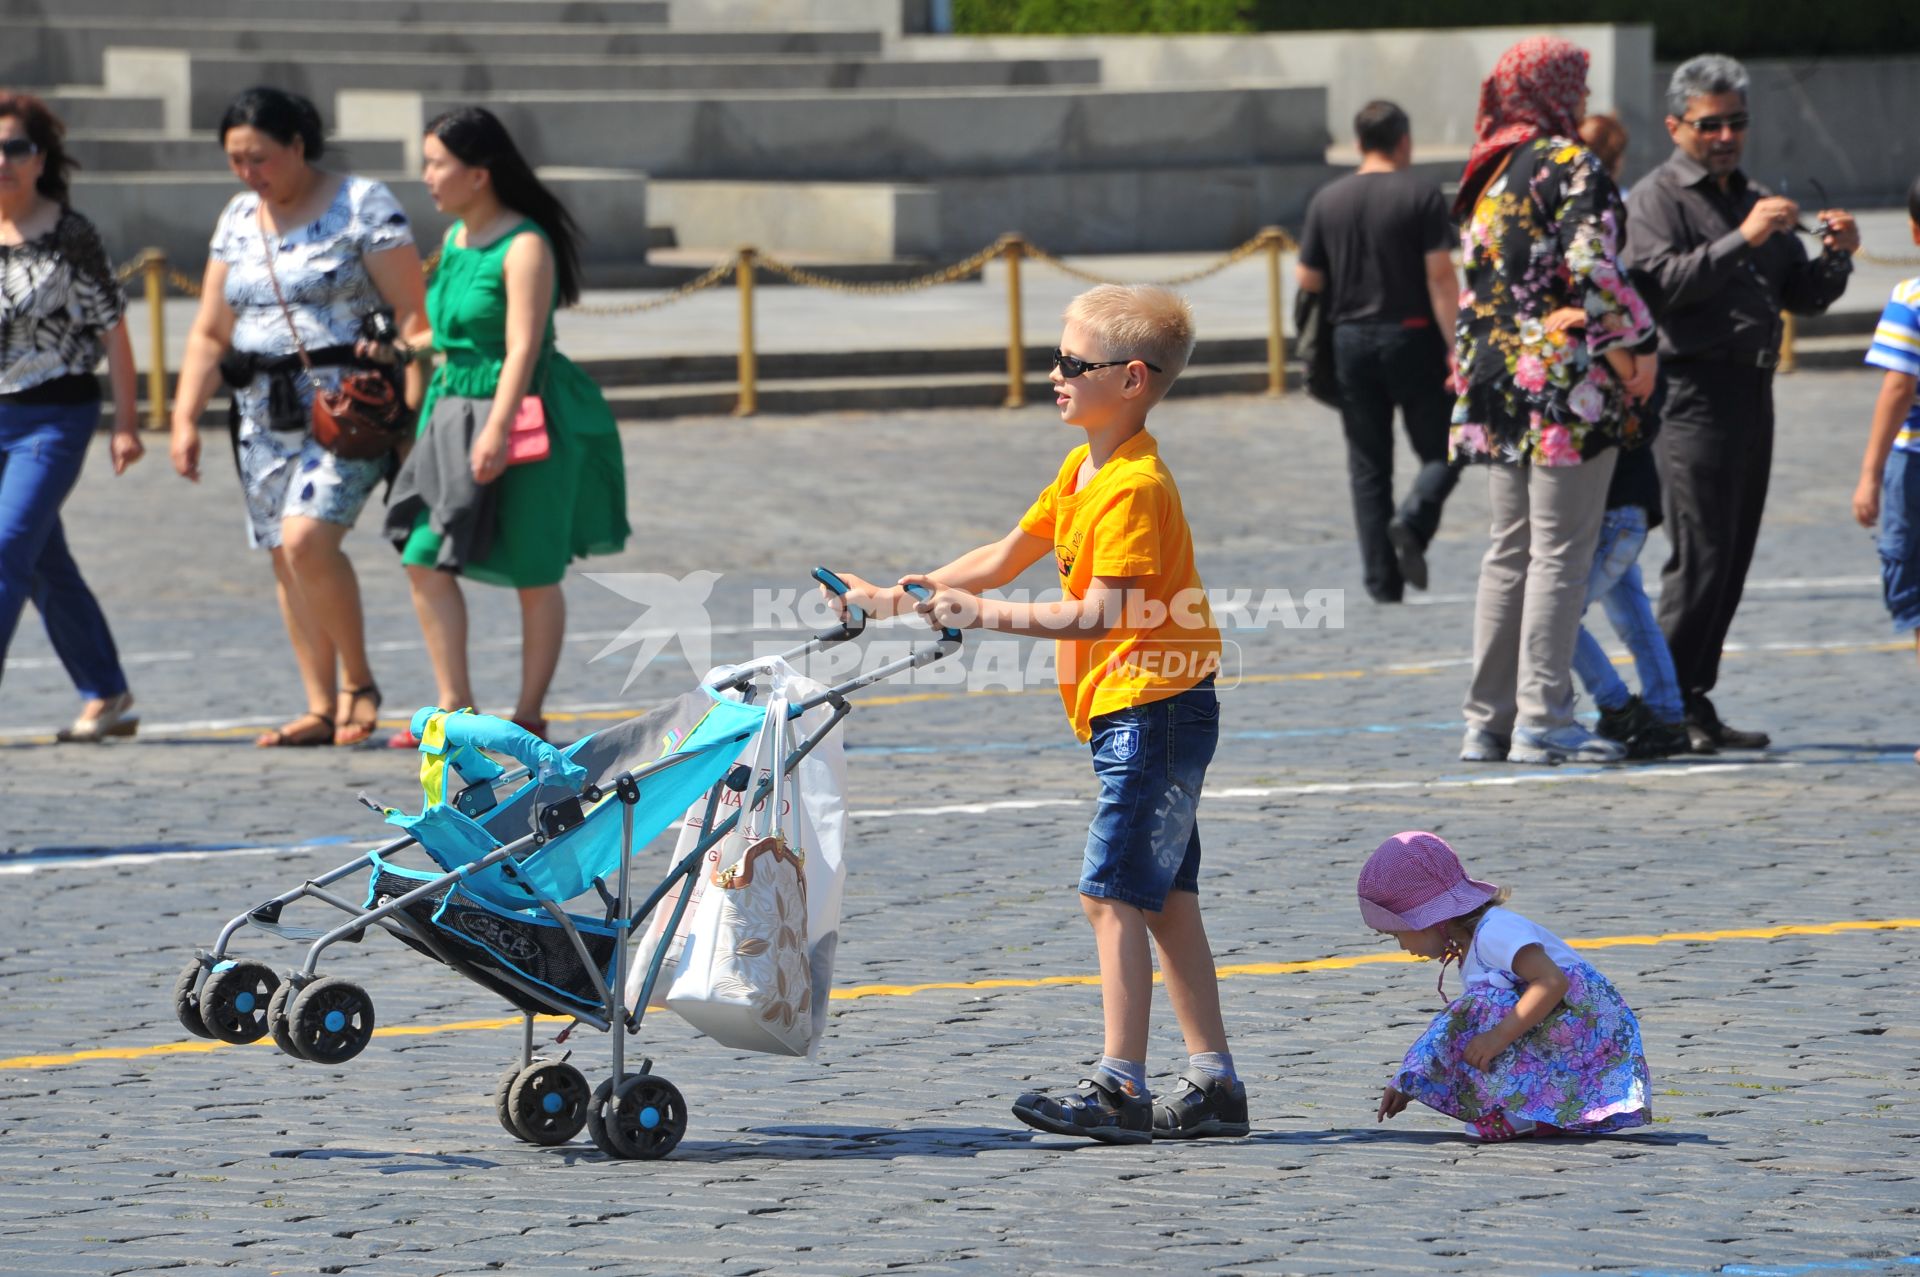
(438, 478)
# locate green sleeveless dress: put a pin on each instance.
(572, 504)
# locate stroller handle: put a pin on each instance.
(947, 633)
(856, 616)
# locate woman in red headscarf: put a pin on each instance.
(1547, 379)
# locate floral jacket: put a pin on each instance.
(1544, 235)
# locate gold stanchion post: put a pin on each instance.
(1787, 334)
(1016, 340)
(749, 364)
(1276, 332)
(153, 264)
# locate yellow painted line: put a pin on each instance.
(20, 1063)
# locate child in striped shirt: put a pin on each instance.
(1889, 491)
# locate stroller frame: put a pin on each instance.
(328, 1020)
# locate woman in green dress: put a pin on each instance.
(505, 266)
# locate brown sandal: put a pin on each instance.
(292, 735)
(355, 730)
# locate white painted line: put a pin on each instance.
(1561, 776)
(1557, 776)
(1653, 589)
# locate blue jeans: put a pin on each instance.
(1900, 539)
(41, 449)
(1616, 584)
(1150, 760)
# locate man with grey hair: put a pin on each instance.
(1715, 255)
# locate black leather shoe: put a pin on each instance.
(1704, 725)
(1411, 554)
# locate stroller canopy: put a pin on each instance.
(690, 742)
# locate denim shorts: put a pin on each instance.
(1150, 761)
(1900, 539)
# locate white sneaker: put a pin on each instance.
(1570, 744)
(1484, 747)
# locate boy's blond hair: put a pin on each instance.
(1138, 321)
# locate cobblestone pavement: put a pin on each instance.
(1784, 1067)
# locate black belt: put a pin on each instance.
(1767, 359)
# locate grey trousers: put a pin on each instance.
(1533, 588)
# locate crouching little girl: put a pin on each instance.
(1538, 1043)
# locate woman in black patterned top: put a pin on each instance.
(61, 310)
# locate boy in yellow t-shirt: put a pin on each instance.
(1137, 655)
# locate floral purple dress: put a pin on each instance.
(1544, 235)
(1581, 1069)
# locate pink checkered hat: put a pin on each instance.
(1414, 880)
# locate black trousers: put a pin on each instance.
(1381, 367)
(1714, 452)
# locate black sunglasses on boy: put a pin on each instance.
(1072, 366)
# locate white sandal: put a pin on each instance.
(112, 720)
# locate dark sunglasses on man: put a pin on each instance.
(19, 148)
(1708, 125)
(1072, 366)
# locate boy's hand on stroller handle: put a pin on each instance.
(838, 592)
(944, 607)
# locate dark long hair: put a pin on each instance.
(45, 131)
(281, 115)
(477, 139)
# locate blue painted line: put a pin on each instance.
(93, 852)
(1780, 1270)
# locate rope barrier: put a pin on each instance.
(1266, 237)
(1877, 259)
(1010, 248)
(965, 268)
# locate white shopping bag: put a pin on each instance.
(815, 821)
(743, 977)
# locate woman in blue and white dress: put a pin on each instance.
(341, 250)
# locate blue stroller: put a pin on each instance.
(516, 855)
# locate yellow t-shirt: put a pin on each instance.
(1128, 522)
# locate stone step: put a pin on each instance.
(350, 13)
(148, 151)
(175, 213)
(890, 136)
(92, 107)
(446, 57)
(643, 371)
(1159, 208)
(779, 396)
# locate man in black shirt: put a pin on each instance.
(1716, 257)
(1377, 247)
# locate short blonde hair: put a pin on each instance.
(1138, 321)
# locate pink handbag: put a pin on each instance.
(527, 438)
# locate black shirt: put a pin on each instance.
(1712, 291)
(1369, 234)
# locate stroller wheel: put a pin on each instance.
(548, 1102)
(332, 1021)
(500, 1109)
(186, 1003)
(278, 1023)
(233, 1003)
(645, 1118)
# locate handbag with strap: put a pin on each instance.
(362, 418)
(527, 439)
(744, 977)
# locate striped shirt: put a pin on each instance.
(1896, 347)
